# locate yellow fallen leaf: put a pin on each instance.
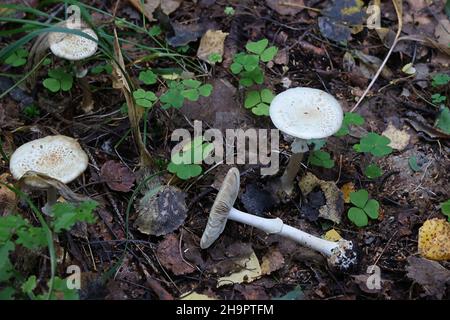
(332, 235)
(434, 239)
(251, 270)
(211, 42)
(196, 296)
(346, 189)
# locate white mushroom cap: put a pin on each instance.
(58, 157)
(306, 113)
(72, 46)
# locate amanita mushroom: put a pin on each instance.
(74, 48)
(304, 113)
(340, 255)
(58, 157)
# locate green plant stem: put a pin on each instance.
(145, 125)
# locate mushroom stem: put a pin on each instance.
(289, 174)
(52, 197)
(276, 226)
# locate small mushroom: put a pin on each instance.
(74, 48)
(58, 157)
(340, 255)
(304, 113)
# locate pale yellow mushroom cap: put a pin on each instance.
(306, 113)
(58, 157)
(72, 46)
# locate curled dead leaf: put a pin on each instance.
(434, 239)
(117, 176)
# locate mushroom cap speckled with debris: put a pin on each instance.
(221, 208)
(306, 113)
(72, 46)
(58, 157)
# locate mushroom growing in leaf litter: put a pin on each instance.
(58, 157)
(74, 47)
(341, 255)
(304, 113)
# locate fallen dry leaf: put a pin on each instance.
(429, 274)
(334, 206)
(149, 6)
(272, 261)
(117, 176)
(161, 212)
(196, 296)
(211, 42)
(399, 138)
(169, 254)
(250, 271)
(286, 7)
(346, 189)
(332, 235)
(434, 239)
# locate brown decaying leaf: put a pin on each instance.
(272, 261)
(117, 176)
(7, 197)
(211, 42)
(147, 7)
(169, 254)
(162, 212)
(286, 7)
(429, 274)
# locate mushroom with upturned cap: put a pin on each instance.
(340, 255)
(74, 47)
(58, 157)
(304, 113)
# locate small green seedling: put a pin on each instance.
(261, 49)
(185, 163)
(244, 62)
(375, 144)
(59, 80)
(350, 118)
(437, 98)
(148, 77)
(17, 58)
(321, 158)
(194, 89)
(214, 58)
(412, 161)
(373, 171)
(15, 231)
(144, 98)
(229, 11)
(259, 101)
(440, 79)
(31, 111)
(443, 120)
(363, 208)
(445, 208)
(155, 30)
(106, 67)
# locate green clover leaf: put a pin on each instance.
(269, 54)
(358, 217)
(59, 80)
(350, 118)
(148, 77)
(185, 171)
(371, 208)
(258, 46)
(437, 98)
(373, 171)
(144, 98)
(66, 214)
(375, 144)
(173, 97)
(445, 208)
(321, 158)
(443, 120)
(359, 198)
(440, 79)
(259, 101)
(17, 58)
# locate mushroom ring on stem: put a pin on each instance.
(340, 255)
(58, 157)
(304, 113)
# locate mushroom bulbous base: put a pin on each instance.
(344, 257)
